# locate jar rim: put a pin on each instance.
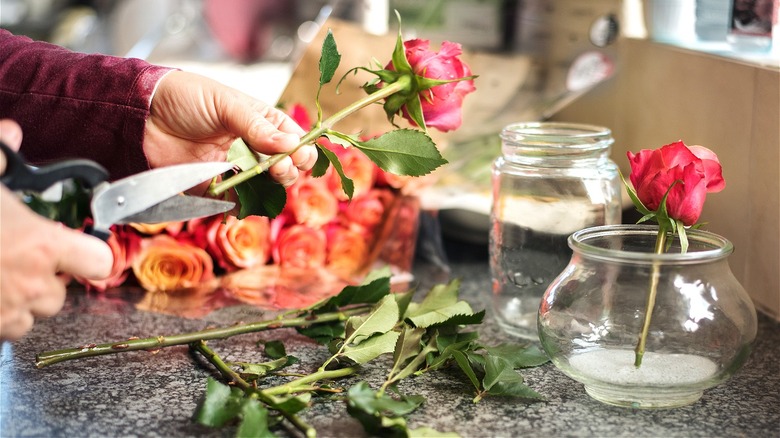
(718, 246)
(556, 138)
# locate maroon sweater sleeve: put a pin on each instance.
(72, 104)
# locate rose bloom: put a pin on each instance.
(695, 169)
(237, 244)
(125, 245)
(357, 167)
(311, 202)
(348, 251)
(167, 264)
(172, 228)
(369, 210)
(300, 246)
(441, 105)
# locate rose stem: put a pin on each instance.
(231, 375)
(401, 84)
(153, 343)
(660, 243)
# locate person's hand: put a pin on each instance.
(38, 256)
(193, 118)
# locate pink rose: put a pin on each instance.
(300, 246)
(369, 210)
(311, 202)
(167, 264)
(696, 170)
(441, 105)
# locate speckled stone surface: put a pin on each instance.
(149, 395)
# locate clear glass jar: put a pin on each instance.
(551, 180)
(700, 332)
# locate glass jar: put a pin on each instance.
(551, 180)
(700, 332)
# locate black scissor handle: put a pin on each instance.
(19, 176)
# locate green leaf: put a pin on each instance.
(404, 299)
(275, 349)
(403, 152)
(414, 108)
(346, 184)
(321, 166)
(448, 344)
(408, 346)
(380, 414)
(329, 59)
(465, 366)
(323, 334)
(518, 355)
(371, 291)
(261, 196)
(494, 368)
(371, 348)
(414, 364)
(341, 139)
(382, 318)
(254, 420)
(440, 306)
(293, 404)
(252, 371)
(242, 155)
(220, 405)
(399, 60)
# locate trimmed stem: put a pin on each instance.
(234, 377)
(660, 244)
(403, 83)
(154, 343)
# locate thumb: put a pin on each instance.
(83, 255)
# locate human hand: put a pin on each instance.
(195, 118)
(38, 256)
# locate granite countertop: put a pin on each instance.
(145, 394)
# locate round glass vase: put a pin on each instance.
(701, 330)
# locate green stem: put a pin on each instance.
(660, 244)
(304, 382)
(403, 83)
(154, 343)
(234, 377)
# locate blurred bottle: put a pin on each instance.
(712, 20)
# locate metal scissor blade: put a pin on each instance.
(179, 208)
(111, 203)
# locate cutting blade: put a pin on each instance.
(179, 208)
(112, 203)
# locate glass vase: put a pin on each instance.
(701, 330)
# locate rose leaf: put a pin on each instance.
(403, 152)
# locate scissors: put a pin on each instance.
(150, 197)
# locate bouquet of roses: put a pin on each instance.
(339, 215)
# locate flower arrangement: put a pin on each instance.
(336, 217)
(319, 228)
(670, 185)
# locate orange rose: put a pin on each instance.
(172, 228)
(348, 251)
(300, 246)
(311, 202)
(237, 244)
(167, 264)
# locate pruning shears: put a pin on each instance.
(153, 196)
